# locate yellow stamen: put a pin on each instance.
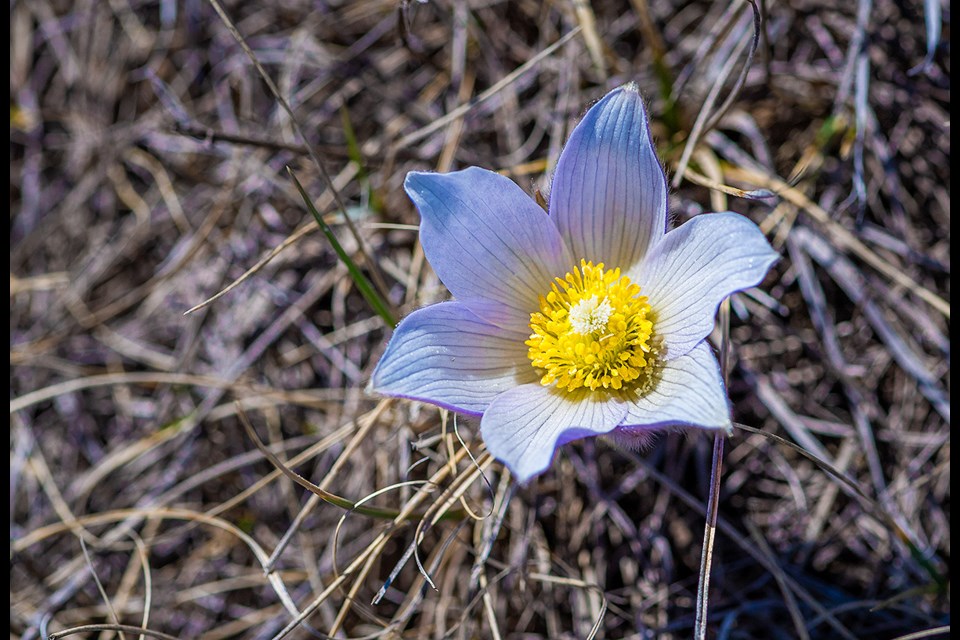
(594, 330)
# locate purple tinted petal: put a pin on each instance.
(609, 193)
(694, 268)
(490, 244)
(524, 426)
(445, 355)
(690, 393)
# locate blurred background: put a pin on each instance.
(148, 177)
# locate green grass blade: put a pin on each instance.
(363, 284)
(353, 152)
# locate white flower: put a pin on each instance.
(591, 320)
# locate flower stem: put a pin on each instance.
(713, 502)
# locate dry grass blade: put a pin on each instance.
(326, 496)
(926, 633)
(872, 506)
(580, 584)
(147, 580)
(778, 575)
(349, 172)
(377, 278)
(350, 597)
(932, 18)
(371, 551)
(844, 238)
(41, 534)
(119, 628)
(843, 272)
(367, 424)
(588, 24)
(110, 379)
(707, 118)
(703, 181)
(724, 527)
(100, 589)
(460, 111)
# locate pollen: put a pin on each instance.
(594, 330)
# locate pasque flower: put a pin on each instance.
(588, 320)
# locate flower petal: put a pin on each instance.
(694, 268)
(490, 244)
(524, 426)
(609, 193)
(445, 355)
(690, 393)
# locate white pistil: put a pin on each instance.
(590, 316)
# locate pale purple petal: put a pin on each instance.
(490, 244)
(523, 427)
(609, 193)
(445, 355)
(694, 268)
(689, 393)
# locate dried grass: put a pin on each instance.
(147, 175)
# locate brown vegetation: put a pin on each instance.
(148, 173)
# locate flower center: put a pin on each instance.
(593, 330)
(589, 316)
